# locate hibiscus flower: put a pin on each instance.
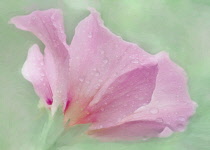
(122, 91)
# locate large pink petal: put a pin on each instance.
(171, 103)
(125, 95)
(171, 106)
(98, 57)
(48, 27)
(34, 71)
(133, 130)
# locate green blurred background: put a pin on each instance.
(180, 27)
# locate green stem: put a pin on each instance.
(44, 134)
(55, 141)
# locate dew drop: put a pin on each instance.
(52, 17)
(33, 17)
(42, 74)
(87, 82)
(159, 120)
(105, 61)
(100, 80)
(102, 52)
(119, 119)
(180, 127)
(135, 61)
(102, 109)
(154, 111)
(90, 36)
(58, 91)
(27, 74)
(94, 69)
(97, 86)
(87, 113)
(81, 79)
(182, 119)
(144, 138)
(97, 74)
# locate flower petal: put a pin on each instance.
(170, 107)
(34, 71)
(48, 27)
(98, 57)
(133, 130)
(171, 103)
(125, 95)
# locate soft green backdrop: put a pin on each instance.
(180, 27)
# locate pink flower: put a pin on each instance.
(124, 92)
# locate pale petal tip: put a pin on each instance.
(95, 14)
(53, 110)
(54, 106)
(19, 21)
(93, 10)
(163, 54)
(32, 50)
(166, 132)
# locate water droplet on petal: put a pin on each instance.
(27, 74)
(182, 119)
(87, 82)
(102, 52)
(33, 17)
(97, 73)
(159, 120)
(154, 111)
(102, 109)
(144, 138)
(119, 119)
(52, 17)
(135, 61)
(90, 36)
(97, 86)
(94, 69)
(125, 104)
(105, 61)
(42, 74)
(100, 80)
(81, 79)
(180, 127)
